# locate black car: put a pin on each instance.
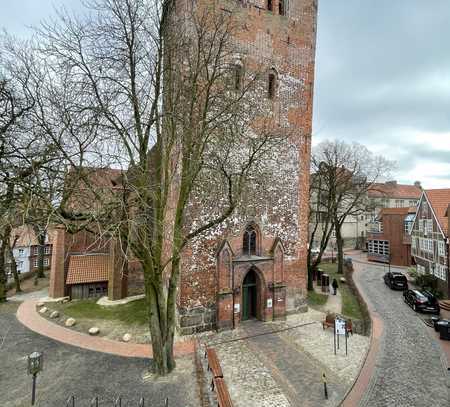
(422, 301)
(395, 280)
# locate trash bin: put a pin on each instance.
(434, 321)
(444, 329)
(319, 274)
(325, 283)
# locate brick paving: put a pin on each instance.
(71, 370)
(29, 317)
(285, 368)
(409, 368)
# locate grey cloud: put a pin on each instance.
(376, 74)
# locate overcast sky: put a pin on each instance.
(382, 77)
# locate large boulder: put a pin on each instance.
(94, 330)
(43, 310)
(70, 322)
(54, 314)
(126, 337)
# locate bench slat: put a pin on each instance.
(223, 397)
(213, 363)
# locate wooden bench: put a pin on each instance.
(223, 397)
(329, 321)
(213, 363)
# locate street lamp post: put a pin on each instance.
(35, 365)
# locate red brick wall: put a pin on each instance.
(279, 204)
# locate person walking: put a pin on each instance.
(334, 284)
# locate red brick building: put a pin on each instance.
(391, 241)
(254, 264)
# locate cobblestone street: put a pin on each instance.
(410, 369)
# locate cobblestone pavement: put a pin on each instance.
(285, 368)
(73, 371)
(409, 369)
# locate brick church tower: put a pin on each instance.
(254, 266)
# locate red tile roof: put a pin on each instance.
(394, 190)
(88, 268)
(439, 200)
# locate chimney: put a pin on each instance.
(417, 184)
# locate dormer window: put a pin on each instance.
(270, 5)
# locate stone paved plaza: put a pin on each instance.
(410, 368)
(285, 368)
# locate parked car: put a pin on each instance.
(315, 251)
(396, 280)
(422, 301)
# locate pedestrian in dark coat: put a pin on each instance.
(334, 284)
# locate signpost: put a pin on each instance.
(340, 328)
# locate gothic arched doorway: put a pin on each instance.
(250, 295)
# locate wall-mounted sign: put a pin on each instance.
(269, 302)
(237, 308)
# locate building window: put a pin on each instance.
(429, 225)
(399, 203)
(35, 250)
(420, 269)
(47, 250)
(281, 8)
(19, 265)
(249, 243)
(412, 203)
(21, 252)
(408, 226)
(46, 262)
(440, 272)
(270, 5)
(35, 263)
(271, 85)
(379, 247)
(441, 248)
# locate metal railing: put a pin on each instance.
(71, 402)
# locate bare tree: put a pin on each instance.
(178, 115)
(343, 173)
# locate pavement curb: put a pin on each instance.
(29, 317)
(356, 392)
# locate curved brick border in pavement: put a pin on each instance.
(28, 316)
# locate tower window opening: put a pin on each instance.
(271, 86)
(237, 77)
(249, 243)
(269, 5)
(281, 8)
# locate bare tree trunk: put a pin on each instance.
(40, 235)
(340, 248)
(14, 270)
(2, 271)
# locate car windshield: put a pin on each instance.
(399, 277)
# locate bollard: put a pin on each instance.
(142, 402)
(325, 390)
(94, 402)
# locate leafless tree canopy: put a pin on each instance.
(342, 174)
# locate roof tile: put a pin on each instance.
(439, 200)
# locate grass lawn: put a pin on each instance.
(133, 313)
(316, 299)
(350, 306)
